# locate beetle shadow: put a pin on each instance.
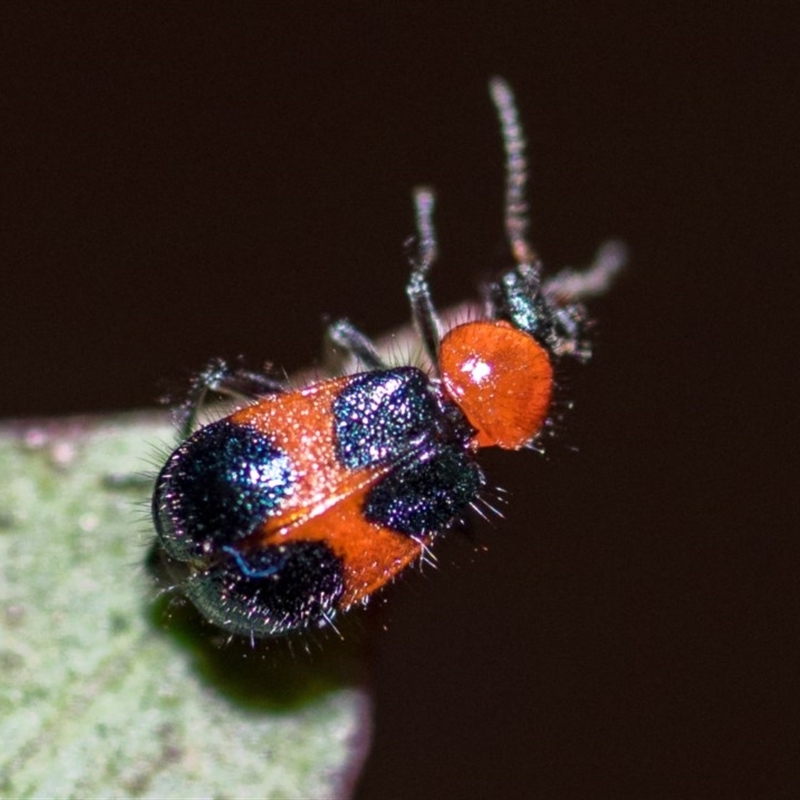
(279, 674)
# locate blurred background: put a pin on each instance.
(181, 181)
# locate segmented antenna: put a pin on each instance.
(516, 172)
(572, 285)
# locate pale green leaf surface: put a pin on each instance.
(106, 691)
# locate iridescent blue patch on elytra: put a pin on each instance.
(217, 487)
(270, 591)
(427, 494)
(381, 415)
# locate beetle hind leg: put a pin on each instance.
(219, 378)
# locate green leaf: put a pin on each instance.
(107, 690)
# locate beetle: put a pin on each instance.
(303, 503)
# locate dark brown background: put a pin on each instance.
(185, 180)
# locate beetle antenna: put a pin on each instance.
(516, 211)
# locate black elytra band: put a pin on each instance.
(217, 487)
(271, 591)
(392, 416)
